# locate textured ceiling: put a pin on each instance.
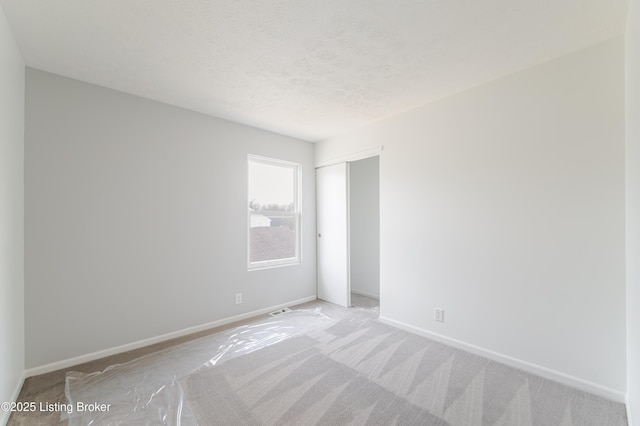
(308, 69)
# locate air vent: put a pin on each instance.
(279, 312)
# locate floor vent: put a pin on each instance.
(279, 311)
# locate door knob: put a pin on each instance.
(319, 235)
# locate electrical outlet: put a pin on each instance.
(438, 314)
(238, 298)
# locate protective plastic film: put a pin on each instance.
(146, 391)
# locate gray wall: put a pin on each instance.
(364, 198)
(633, 209)
(505, 206)
(11, 214)
(136, 219)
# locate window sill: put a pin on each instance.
(270, 265)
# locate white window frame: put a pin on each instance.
(296, 213)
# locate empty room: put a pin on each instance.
(341, 212)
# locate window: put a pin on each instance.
(273, 212)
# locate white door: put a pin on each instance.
(332, 204)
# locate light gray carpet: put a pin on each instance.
(360, 371)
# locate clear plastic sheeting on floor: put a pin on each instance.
(146, 390)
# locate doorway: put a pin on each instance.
(348, 230)
(364, 229)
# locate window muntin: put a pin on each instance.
(273, 212)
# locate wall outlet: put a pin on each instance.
(438, 314)
(238, 298)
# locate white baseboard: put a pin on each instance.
(58, 365)
(4, 415)
(538, 370)
(628, 407)
(366, 294)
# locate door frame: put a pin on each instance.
(349, 158)
(360, 155)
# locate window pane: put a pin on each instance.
(271, 187)
(272, 238)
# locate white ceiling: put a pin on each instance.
(308, 69)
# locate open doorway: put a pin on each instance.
(364, 229)
(348, 226)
